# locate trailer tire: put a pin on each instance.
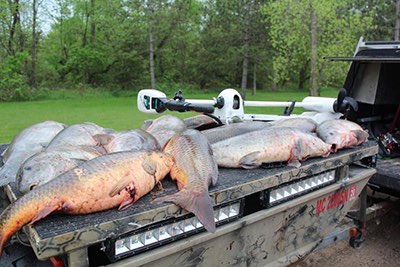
(356, 241)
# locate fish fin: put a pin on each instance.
(78, 161)
(294, 163)
(250, 161)
(214, 178)
(331, 149)
(210, 151)
(360, 135)
(3, 241)
(214, 172)
(121, 184)
(149, 166)
(102, 139)
(296, 150)
(163, 148)
(126, 203)
(181, 177)
(44, 212)
(146, 124)
(198, 203)
(4, 237)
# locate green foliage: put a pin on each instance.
(13, 80)
(339, 27)
(87, 61)
(197, 44)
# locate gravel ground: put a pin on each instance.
(380, 248)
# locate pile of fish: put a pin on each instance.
(85, 168)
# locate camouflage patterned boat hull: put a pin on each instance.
(277, 237)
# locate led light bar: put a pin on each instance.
(286, 192)
(162, 233)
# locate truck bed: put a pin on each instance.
(59, 233)
(387, 177)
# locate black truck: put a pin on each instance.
(372, 81)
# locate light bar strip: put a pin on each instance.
(172, 230)
(291, 190)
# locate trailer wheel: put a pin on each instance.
(356, 240)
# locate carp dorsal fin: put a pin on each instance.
(146, 124)
(250, 161)
(44, 212)
(102, 139)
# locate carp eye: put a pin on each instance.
(33, 186)
(28, 168)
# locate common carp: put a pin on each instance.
(341, 133)
(27, 143)
(46, 165)
(133, 140)
(305, 124)
(164, 127)
(281, 144)
(201, 122)
(108, 181)
(83, 134)
(194, 170)
(227, 131)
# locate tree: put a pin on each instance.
(34, 44)
(397, 27)
(248, 10)
(16, 38)
(150, 11)
(233, 40)
(382, 17)
(171, 44)
(338, 28)
(314, 90)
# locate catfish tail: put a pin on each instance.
(197, 202)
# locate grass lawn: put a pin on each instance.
(119, 113)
